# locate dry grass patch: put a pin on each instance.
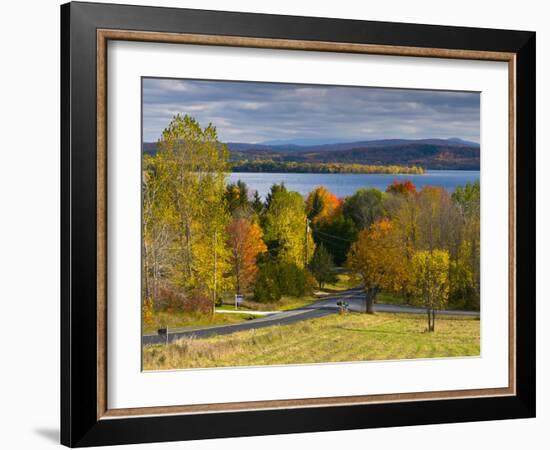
(335, 338)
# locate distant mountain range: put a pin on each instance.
(453, 153)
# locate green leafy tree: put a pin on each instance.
(277, 278)
(267, 288)
(431, 281)
(364, 207)
(336, 237)
(293, 280)
(321, 266)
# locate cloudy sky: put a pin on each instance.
(264, 112)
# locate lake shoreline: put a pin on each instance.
(345, 184)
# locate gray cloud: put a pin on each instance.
(256, 112)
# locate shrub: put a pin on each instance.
(148, 312)
(198, 302)
(277, 279)
(311, 282)
(169, 299)
(267, 288)
(292, 280)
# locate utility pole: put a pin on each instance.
(215, 267)
(307, 236)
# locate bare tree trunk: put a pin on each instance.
(188, 252)
(431, 319)
(238, 274)
(146, 269)
(215, 271)
(370, 296)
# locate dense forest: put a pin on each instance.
(204, 240)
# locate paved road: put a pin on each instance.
(354, 297)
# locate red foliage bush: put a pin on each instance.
(172, 299)
(169, 298)
(198, 302)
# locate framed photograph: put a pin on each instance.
(276, 224)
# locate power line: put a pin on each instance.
(333, 236)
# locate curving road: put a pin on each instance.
(354, 297)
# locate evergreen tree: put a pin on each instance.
(257, 204)
(322, 267)
(336, 236)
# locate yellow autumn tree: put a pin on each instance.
(184, 186)
(431, 281)
(377, 260)
(286, 228)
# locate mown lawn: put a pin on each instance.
(185, 320)
(335, 338)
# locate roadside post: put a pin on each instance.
(163, 332)
(238, 300)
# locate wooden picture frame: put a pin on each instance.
(86, 418)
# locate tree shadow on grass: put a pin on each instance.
(369, 331)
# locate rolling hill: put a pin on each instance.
(451, 153)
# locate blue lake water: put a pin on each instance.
(344, 184)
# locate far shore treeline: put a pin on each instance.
(270, 165)
(205, 240)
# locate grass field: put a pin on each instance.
(335, 338)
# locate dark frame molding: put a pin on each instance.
(80, 425)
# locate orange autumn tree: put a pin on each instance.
(377, 259)
(246, 243)
(322, 205)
